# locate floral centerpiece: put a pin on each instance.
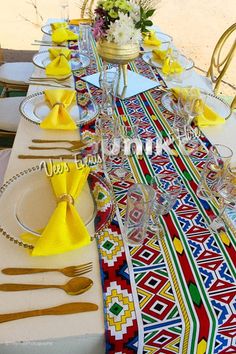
(121, 21)
(118, 29)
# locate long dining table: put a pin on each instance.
(170, 295)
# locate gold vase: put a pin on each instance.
(118, 54)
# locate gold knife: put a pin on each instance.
(69, 157)
(65, 309)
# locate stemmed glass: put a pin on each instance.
(167, 188)
(188, 106)
(217, 160)
(225, 191)
(64, 10)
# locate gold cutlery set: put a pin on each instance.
(45, 43)
(50, 81)
(75, 286)
(74, 148)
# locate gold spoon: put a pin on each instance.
(74, 286)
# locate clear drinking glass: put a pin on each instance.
(226, 192)
(167, 189)
(114, 159)
(64, 5)
(217, 160)
(139, 205)
(108, 81)
(84, 39)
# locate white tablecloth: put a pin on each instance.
(69, 334)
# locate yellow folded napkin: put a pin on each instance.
(159, 55)
(65, 230)
(208, 117)
(60, 33)
(151, 39)
(57, 25)
(59, 118)
(59, 65)
(171, 67)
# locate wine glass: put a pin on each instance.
(225, 191)
(167, 189)
(217, 160)
(64, 5)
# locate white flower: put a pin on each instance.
(123, 31)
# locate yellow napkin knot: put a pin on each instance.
(61, 33)
(59, 64)
(159, 55)
(63, 55)
(58, 117)
(66, 198)
(150, 39)
(171, 67)
(65, 230)
(58, 103)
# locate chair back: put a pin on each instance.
(1, 55)
(87, 9)
(219, 60)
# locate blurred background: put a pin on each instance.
(195, 25)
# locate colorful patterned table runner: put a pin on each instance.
(177, 295)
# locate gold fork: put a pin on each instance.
(71, 271)
(77, 144)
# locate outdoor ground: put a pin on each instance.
(195, 25)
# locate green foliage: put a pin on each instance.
(144, 21)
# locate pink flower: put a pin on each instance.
(98, 29)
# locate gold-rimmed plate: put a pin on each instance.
(35, 108)
(27, 202)
(185, 62)
(48, 30)
(216, 103)
(78, 61)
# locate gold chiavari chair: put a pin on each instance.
(220, 61)
(87, 8)
(9, 120)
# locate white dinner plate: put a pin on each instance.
(165, 41)
(77, 61)
(184, 61)
(35, 108)
(215, 103)
(27, 202)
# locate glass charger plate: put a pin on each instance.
(35, 109)
(184, 61)
(165, 41)
(216, 103)
(77, 61)
(27, 202)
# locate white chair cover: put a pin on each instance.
(4, 158)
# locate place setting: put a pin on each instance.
(23, 219)
(115, 199)
(80, 109)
